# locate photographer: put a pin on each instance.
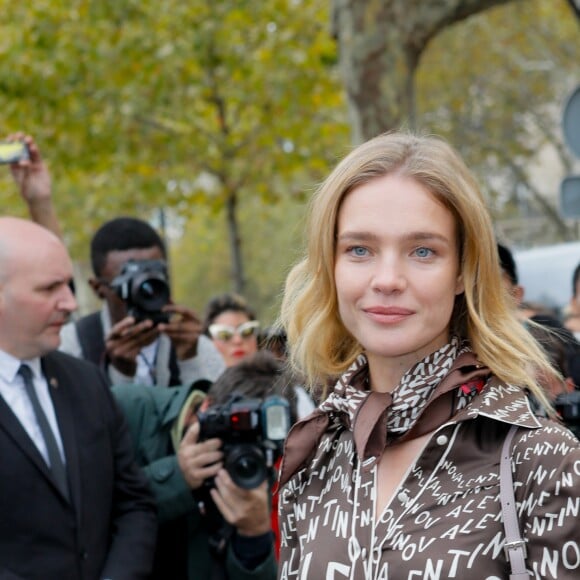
(230, 538)
(136, 349)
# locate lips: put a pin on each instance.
(388, 314)
(388, 310)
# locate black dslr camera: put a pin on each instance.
(252, 432)
(144, 286)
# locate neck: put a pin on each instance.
(384, 379)
(19, 353)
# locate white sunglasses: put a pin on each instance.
(225, 332)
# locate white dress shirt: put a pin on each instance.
(13, 392)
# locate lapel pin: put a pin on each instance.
(53, 383)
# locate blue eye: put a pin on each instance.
(424, 252)
(358, 251)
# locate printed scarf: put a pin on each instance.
(410, 396)
(445, 381)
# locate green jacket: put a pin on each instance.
(151, 413)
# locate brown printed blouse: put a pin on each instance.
(445, 519)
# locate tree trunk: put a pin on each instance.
(237, 267)
(380, 46)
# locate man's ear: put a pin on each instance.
(98, 287)
(518, 294)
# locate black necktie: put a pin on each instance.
(57, 467)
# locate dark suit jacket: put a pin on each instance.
(108, 528)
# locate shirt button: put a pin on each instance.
(403, 497)
(363, 554)
(442, 440)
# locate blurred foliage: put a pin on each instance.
(141, 105)
(495, 86)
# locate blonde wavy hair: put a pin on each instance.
(321, 348)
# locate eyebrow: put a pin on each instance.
(412, 237)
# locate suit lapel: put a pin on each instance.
(58, 387)
(15, 431)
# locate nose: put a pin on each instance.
(389, 275)
(67, 301)
(237, 338)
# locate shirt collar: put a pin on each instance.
(9, 366)
(504, 402)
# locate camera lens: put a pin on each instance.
(151, 294)
(246, 465)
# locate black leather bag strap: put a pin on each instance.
(515, 546)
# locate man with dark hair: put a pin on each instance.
(74, 504)
(171, 352)
(191, 545)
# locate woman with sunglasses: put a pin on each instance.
(232, 326)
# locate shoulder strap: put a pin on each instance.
(515, 546)
(91, 337)
(174, 374)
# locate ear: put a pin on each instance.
(518, 294)
(97, 287)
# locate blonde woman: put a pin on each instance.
(396, 474)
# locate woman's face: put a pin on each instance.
(235, 343)
(396, 272)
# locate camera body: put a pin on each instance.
(13, 151)
(252, 432)
(144, 286)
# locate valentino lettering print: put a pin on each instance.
(445, 519)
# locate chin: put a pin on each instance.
(393, 351)
(49, 345)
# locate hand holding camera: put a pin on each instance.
(198, 461)
(183, 328)
(144, 287)
(27, 167)
(201, 463)
(126, 340)
(246, 509)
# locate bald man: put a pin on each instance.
(73, 504)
